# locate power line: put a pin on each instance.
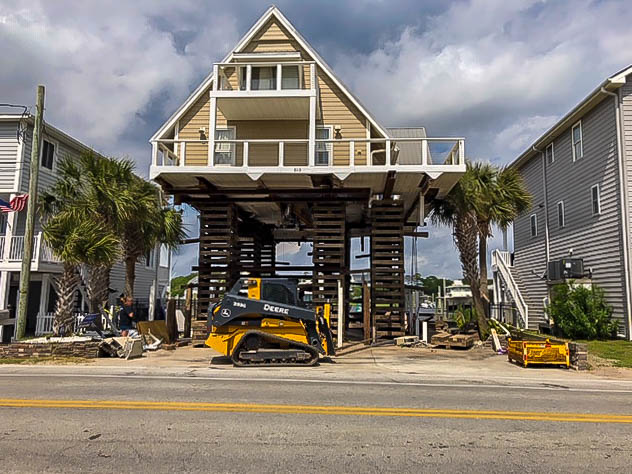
(21, 130)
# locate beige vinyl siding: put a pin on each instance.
(337, 109)
(596, 239)
(9, 148)
(196, 117)
(272, 37)
(263, 154)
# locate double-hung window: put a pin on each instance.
(577, 137)
(534, 225)
(550, 154)
(323, 149)
(48, 154)
(224, 152)
(595, 194)
(561, 218)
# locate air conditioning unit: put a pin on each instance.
(565, 269)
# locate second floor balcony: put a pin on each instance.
(12, 254)
(294, 155)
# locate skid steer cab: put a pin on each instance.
(262, 321)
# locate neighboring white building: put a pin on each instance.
(15, 150)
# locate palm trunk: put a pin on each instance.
(482, 259)
(130, 275)
(465, 237)
(98, 287)
(65, 286)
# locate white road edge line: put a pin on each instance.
(338, 382)
(196, 370)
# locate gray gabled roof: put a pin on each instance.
(611, 83)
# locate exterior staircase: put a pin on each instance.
(508, 282)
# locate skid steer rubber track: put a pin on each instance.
(282, 357)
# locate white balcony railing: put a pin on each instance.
(41, 251)
(293, 154)
(263, 77)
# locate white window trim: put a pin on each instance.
(563, 215)
(232, 152)
(592, 209)
(531, 227)
(55, 143)
(148, 262)
(552, 153)
(581, 139)
(331, 145)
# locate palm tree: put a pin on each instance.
(456, 211)
(485, 196)
(499, 196)
(93, 188)
(75, 242)
(151, 224)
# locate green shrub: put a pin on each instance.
(581, 313)
(464, 316)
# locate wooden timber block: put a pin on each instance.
(157, 328)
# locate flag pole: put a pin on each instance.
(25, 273)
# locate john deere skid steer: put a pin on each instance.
(263, 322)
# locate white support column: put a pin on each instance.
(351, 153)
(183, 152)
(461, 152)
(154, 153)
(312, 116)
(44, 294)
(281, 154)
(211, 131)
(424, 152)
(341, 311)
(248, 76)
(215, 77)
(368, 144)
(246, 152)
(312, 130)
(387, 160)
(279, 76)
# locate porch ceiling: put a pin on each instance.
(264, 108)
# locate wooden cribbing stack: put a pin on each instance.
(387, 267)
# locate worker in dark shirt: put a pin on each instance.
(126, 316)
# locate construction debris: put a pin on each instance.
(123, 347)
(407, 341)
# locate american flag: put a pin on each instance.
(16, 205)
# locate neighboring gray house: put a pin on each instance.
(15, 151)
(580, 175)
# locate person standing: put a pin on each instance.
(126, 316)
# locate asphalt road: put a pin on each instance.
(99, 421)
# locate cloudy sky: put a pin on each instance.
(495, 71)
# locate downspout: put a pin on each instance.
(627, 271)
(546, 206)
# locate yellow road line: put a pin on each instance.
(315, 410)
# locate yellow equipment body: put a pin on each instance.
(269, 326)
(538, 352)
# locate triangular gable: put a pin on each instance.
(278, 32)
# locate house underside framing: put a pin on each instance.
(240, 229)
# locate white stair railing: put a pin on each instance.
(500, 262)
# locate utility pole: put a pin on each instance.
(25, 274)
